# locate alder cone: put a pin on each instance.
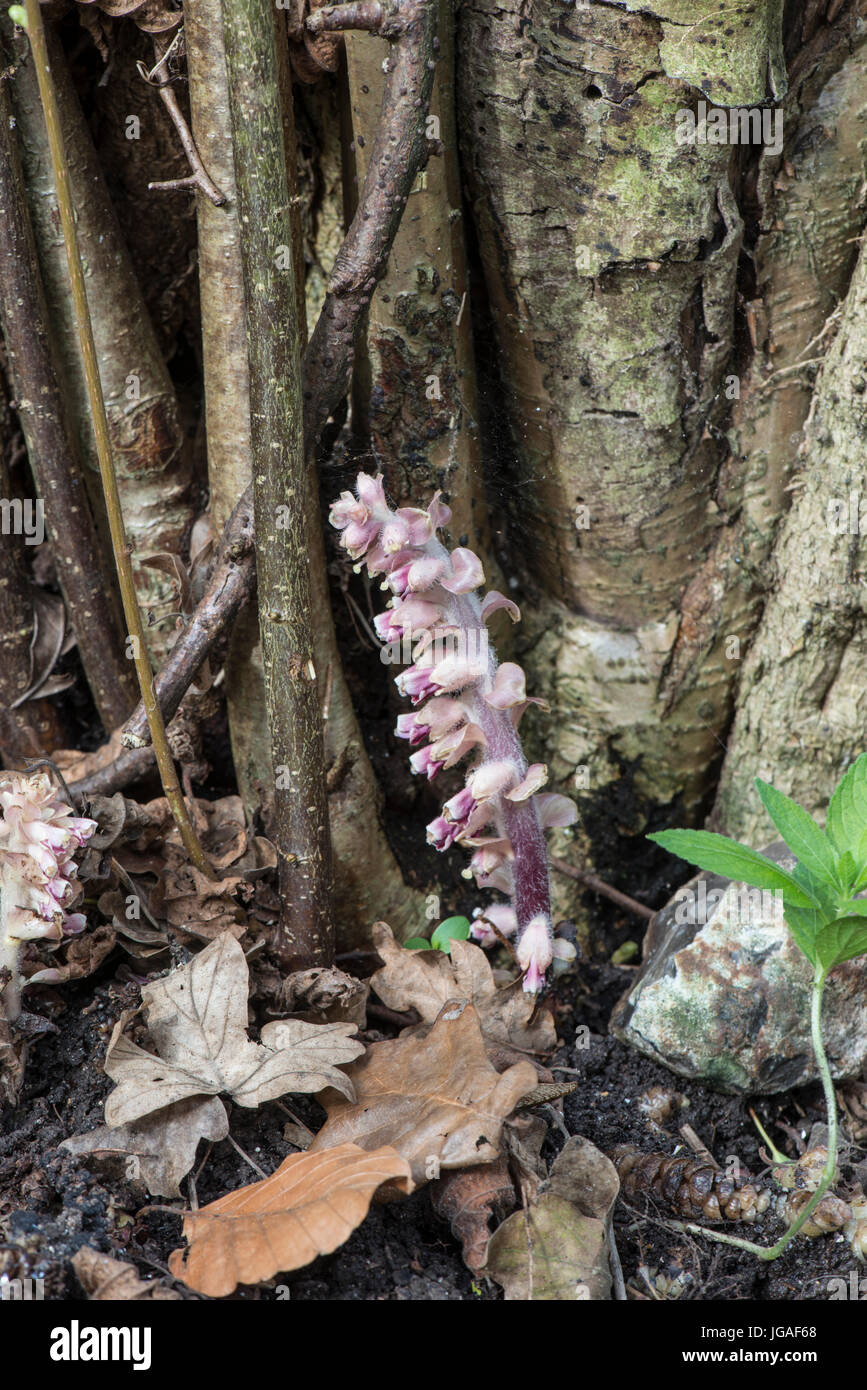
(689, 1185)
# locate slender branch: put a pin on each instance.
(282, 487)
(229, 588)
(199, 178)
(120, 546)
(399, 152)
(362, 14)
(86, 579)
(598, 885)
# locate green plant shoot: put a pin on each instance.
(452, 929)
(826, 919)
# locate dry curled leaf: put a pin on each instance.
(424, 980)
(81, 957)
(197, 1017)
(437, 1100)
(308, 1207)
(159, 1149)
(557, 1250)
(469, 1200)
(113, 1281)
(327, 994)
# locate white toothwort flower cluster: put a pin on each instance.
(39, 834)
(466, 704)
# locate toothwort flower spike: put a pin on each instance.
(466, 702)
(39, 834)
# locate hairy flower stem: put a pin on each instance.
(516, 821)
(166, 766)
(772, 1252)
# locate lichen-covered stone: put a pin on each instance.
(723, 995)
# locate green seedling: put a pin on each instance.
(452, 929)
(826, 919)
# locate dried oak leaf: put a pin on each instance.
(437, 1100)
(325, 994)
(424, 980)
(202, 907)
(308, 1207)
(106, 1280)
(159, 1149)
(557, 1249)
(197, 1017)
(469, 1200)
(83, 955)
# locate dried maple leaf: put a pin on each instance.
(159, 1149)
(197, 1017)
(425, 980)
(308, 1207)
(557, 1249)
(106, 1280)
(468, 1200)
(437, 1100)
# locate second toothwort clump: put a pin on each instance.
(466, 703)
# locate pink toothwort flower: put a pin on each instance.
(468, 704)
(39, 834)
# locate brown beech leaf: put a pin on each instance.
(197, 1017)
(468, 1200)
(106, 1280)
(557, 1249)
(437, 1099)
(308, 1207)
(424, 980)
(159, 1149)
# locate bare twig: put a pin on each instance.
(120, 546)
(231, 585)
(199, 178)
(86, 579)
(597, 885)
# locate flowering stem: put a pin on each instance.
(144, 672)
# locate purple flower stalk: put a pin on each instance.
(39, 834)
(465, 703)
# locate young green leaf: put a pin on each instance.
(718, 855)
(417, 943)
(841, 940)
(452, 929)
(847, 811)
(800, 832)
(805, 923)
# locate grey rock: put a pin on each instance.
(723, 994)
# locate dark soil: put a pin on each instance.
(52, 1204)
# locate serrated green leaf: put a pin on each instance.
(840, 941)
(805, 923)
(854, 907)
(807, 842)
(847, 811)
(847, 870)
(719, 855)
(452, 929)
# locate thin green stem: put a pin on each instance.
(772, 1252)
(135, 629)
